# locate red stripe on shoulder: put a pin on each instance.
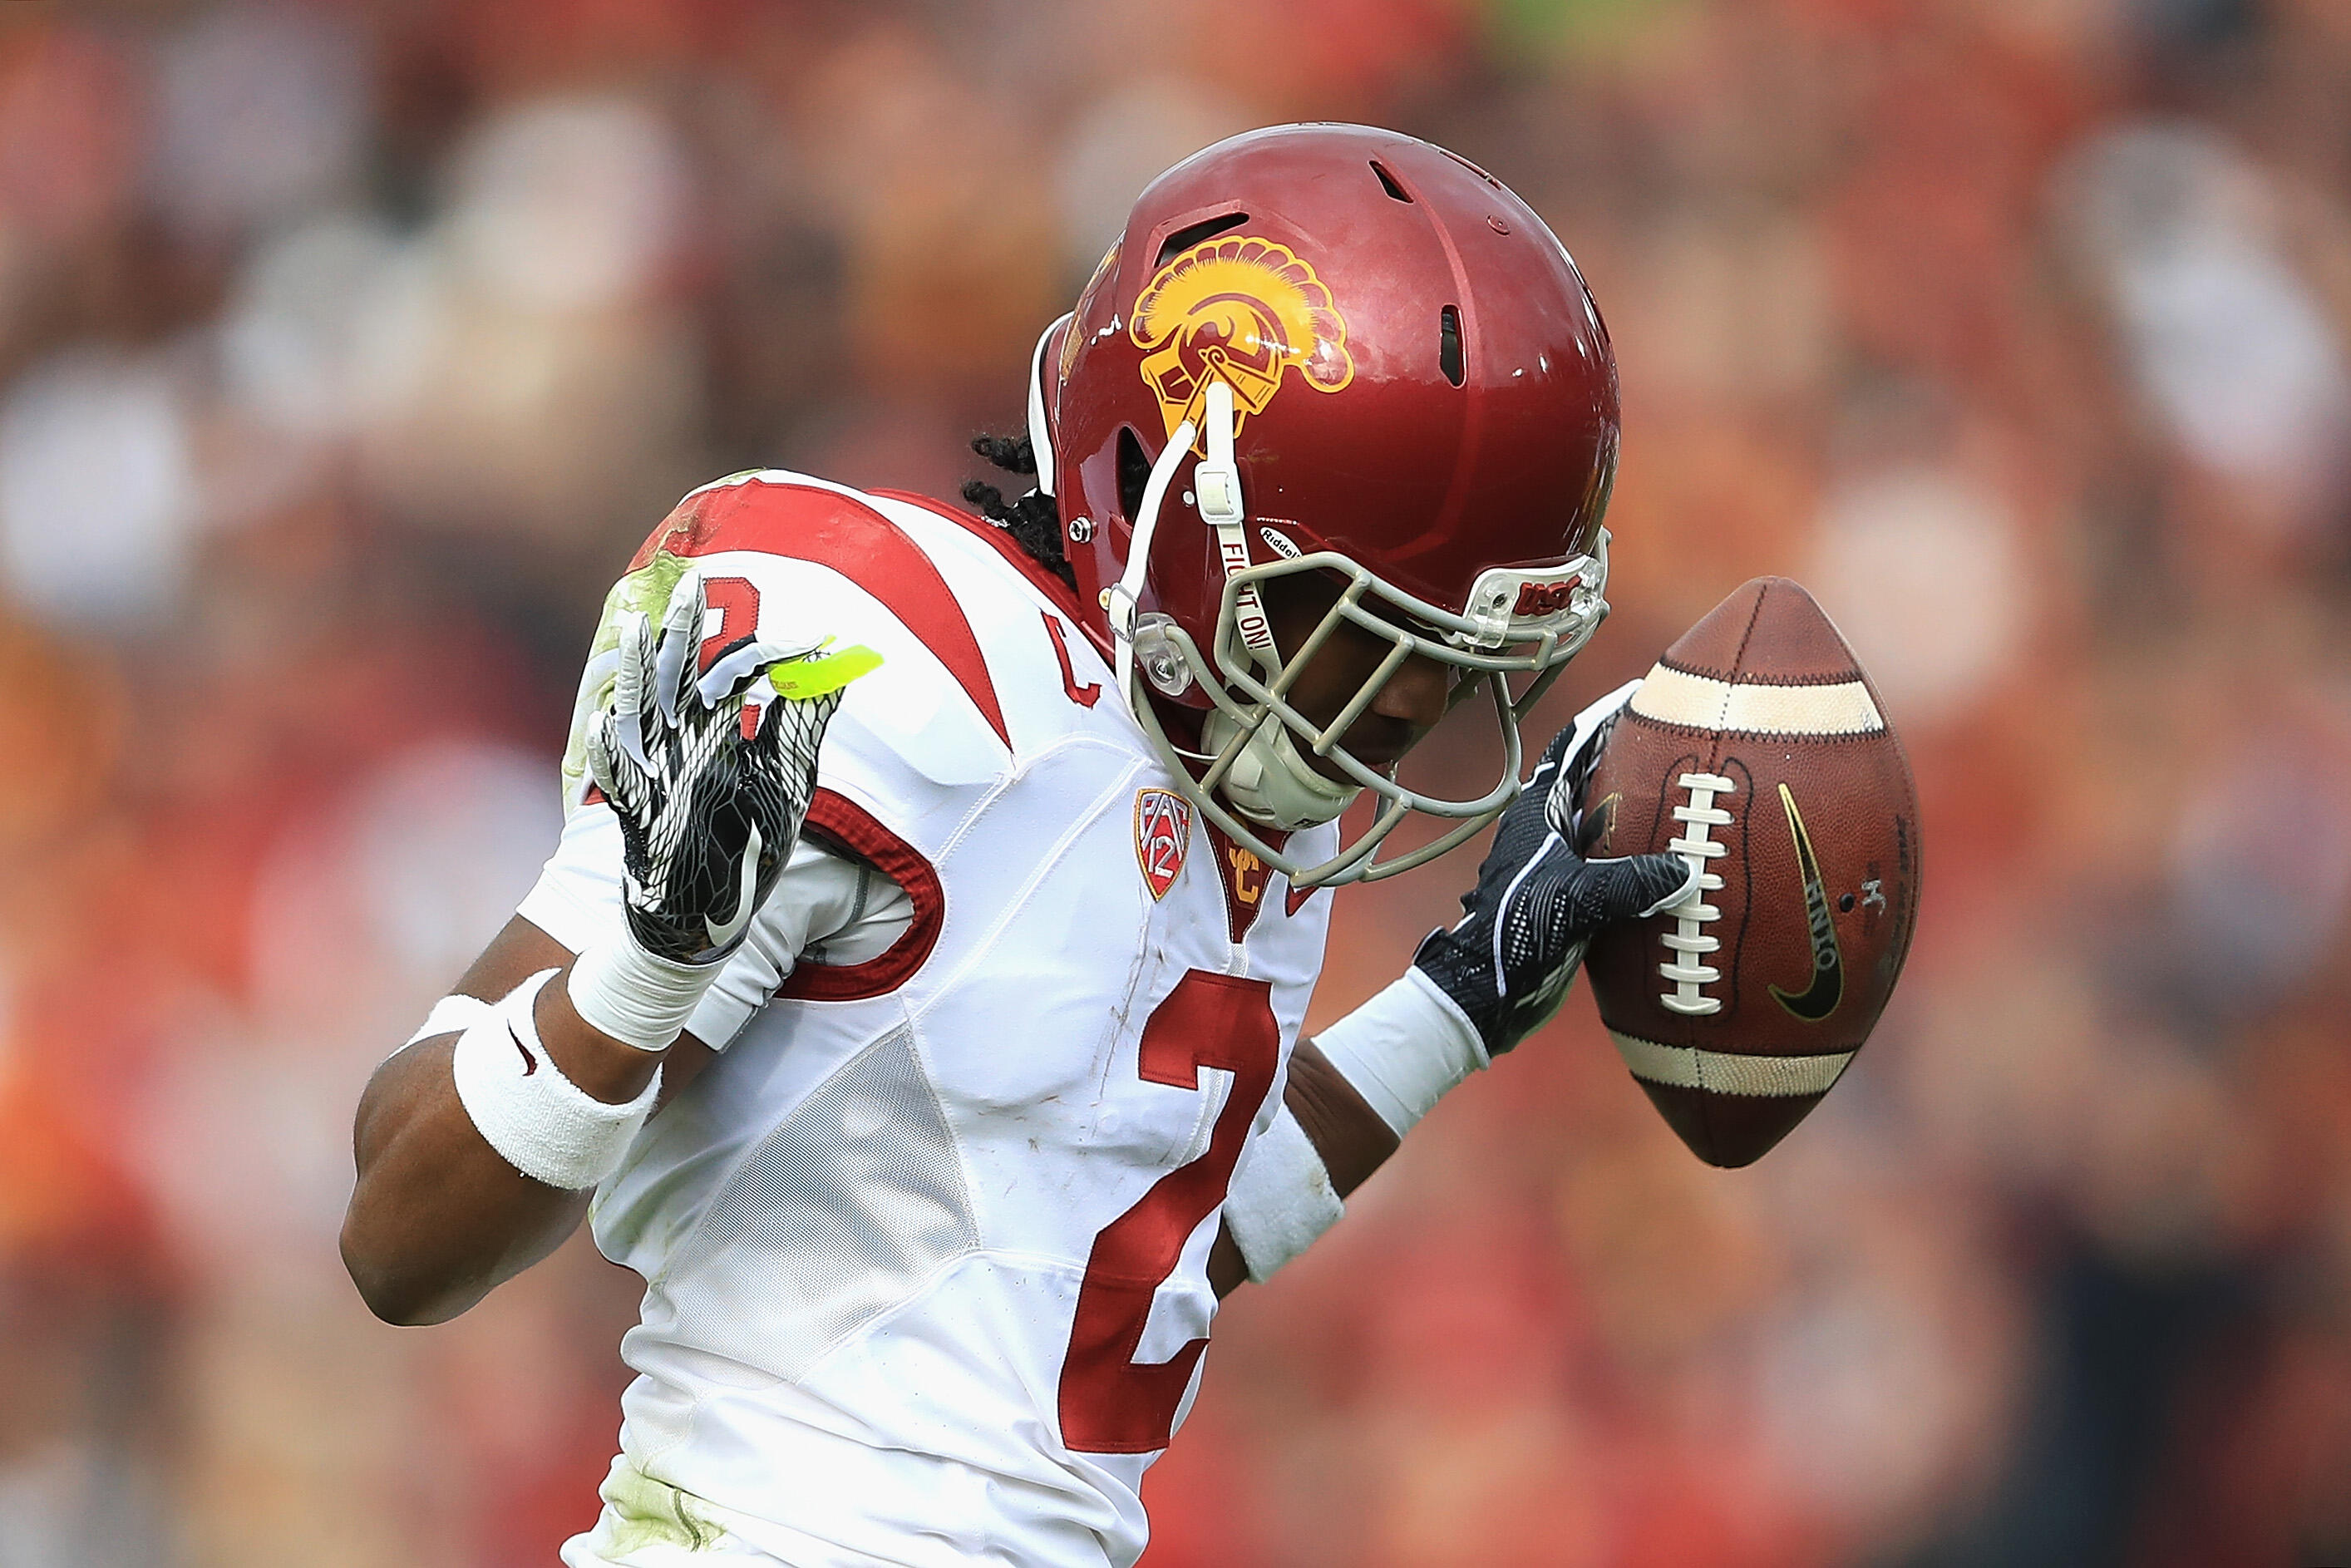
(1003, 544)
(838, 817)
(828, 528)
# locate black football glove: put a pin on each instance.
(1538, 903)
(708, 815)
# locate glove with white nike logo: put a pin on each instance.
(1538, 901)
(709, 771)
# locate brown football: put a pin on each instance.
(1758, 750)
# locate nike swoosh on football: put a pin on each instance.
(1820, 999)
(529, 1062)
(722, 935)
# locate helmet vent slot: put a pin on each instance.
(1133, 472)
(1448, 343)
(1190, 235)
(1388, 181)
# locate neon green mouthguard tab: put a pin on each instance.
(821, 672)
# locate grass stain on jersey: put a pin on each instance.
(646, 590)
(647, 1513)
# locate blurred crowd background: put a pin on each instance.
(347, 350)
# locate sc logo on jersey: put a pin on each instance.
(1163, 831)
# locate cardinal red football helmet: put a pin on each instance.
(1333, 349)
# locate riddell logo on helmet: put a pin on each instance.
(1243, 311)
(1539, 599)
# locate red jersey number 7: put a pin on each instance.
(1111, 1404)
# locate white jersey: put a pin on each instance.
(926, 1249)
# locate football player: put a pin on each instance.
(914, 997)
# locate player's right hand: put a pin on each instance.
(710, 797)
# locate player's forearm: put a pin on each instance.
(1355, 1091)
(439, 1217)
(1338, 1121)
(1350, 1136)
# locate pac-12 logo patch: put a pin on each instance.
(1163, 831)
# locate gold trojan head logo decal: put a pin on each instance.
(1242, 311)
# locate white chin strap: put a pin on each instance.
(1269, 782)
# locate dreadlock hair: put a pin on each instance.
(1034, 520)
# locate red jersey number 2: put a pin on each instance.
(1110, 1403)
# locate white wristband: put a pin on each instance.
(538, 1121)
(620, 988)
(1281, 1197)
(1404, 1048)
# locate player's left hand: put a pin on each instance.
(1538, 901)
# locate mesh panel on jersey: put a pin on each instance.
(840, 1212)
